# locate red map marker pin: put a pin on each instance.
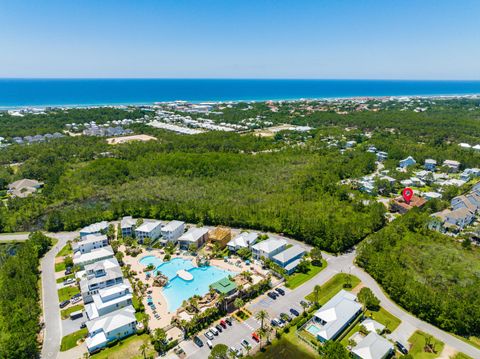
(407, 194)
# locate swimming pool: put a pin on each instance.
(312, 328)
(177, 290)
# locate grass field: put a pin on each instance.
(70, 341)
(418, 342)
(333, 286)
(60, 267)
(461, 356)
(385, 318)
(127, 348)
(65, 251)
(61, 280)
(65, 313)
(67, 292)
(297, 279)
(288, 346)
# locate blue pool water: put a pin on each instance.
(178, 290)
(312, 328)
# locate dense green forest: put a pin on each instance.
(20, 307)
(429, 274)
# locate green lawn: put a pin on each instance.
(60, 267)
(298, 279)
(65, 251)
(62, 279)
(461, 356)
(418, 342)
(127, 348)
(332, 287)
(288, 346)
(67, 292)
(385, 318)
(65, 313)
(70, 341)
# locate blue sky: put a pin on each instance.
(382, 39)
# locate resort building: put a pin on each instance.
(221, 236)
(335, 316)
(113, 326)
(373, 346)
(196, 236)
(96, 228)
(127, 225)
(24, 187)
(289, 258)
(268, 248)
(97, 276)
(90, 242)
(243, 240)
(148, 229)
(172, 231)
(224, 286)
(95, 255)
(108, 300)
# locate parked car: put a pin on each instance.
(75, 315)
(280, 290)
(68, 271)
(64, 303)
(271, 295)
(219, 328)
(245, 343)
(255, 337)
(214, 331)
(210, 344)
(198, 341)
(83, 325)
(275, 322)
(69, 281)
(229, 320)
(401, 347)
(78, 295)
(223, 324)
(234, 350)
(75, 300)
(209, 335)
(294, 312)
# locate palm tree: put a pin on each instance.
(143, 349)
(268, 331)
(261, 333)
(304, 306)
(262, 315)
(238, 303)
(316, 293)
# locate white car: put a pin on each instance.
(214, 331)
(69, 281)
(209, 335)
(75, 300)
(210, 344)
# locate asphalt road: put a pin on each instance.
(53, 327)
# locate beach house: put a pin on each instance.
(289, 258)
(95, 228)
(95, 255)
(108, 300)
(172, 231)
(268, 248)
(97, 276)
(148, 229)
(195, 236)
(90, 242)
(373, 346)
(243, 240)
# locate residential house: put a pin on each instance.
(373, 346)
(243, 240)
(83, 259)
(382, 156)
(289, 258)
(471, 201)
(172, 231)
(373, 326)
(432, 195)
(335, 316)
(108, 300)
(469, 173)
(453, 166)
(399, 205)
(268, 248)
(24, 187)
(148, 229)
(430, 164)
(114, 326)
(476, 147)
(452, 220)
(90, 242)
(97, 276)
(196, 236)
(407, 162)
(221, 236)
(351, 144)
(127, 226)
(95, 228)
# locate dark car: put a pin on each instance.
(68, 271)
(294, 312)
(272, 295)
(219, 327)
(64, 303)
(198, 341)
(229, 320)
(83, 325)
(280, 290)
(78, 295)
(401, 347)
